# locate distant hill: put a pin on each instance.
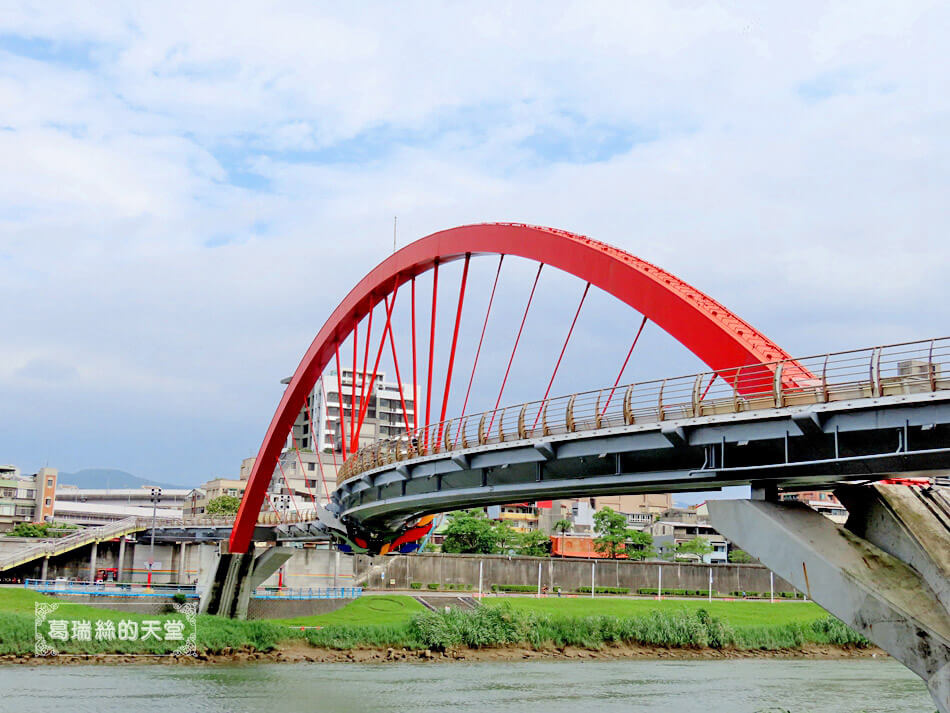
(107, 478)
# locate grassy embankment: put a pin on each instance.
(399, 621)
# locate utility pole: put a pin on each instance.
(155, 497)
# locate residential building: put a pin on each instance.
(667, 534)
(824, 501)
(318, 427)
(26, 498)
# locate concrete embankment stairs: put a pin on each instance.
(438, 603)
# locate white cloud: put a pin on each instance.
(792, 163)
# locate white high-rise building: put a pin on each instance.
(384, 416)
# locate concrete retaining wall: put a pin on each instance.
(399, 571)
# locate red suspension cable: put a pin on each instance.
(402, 398)
(369, 331)
(356, 334)
(617, 380)
(455, 338)
(561, 355)
(293, 500)
(303, 470)
(316, 446)
(435, 294)
(372, 381)
(515, 347)
(415, 381)
(341, 422)
(478, 351)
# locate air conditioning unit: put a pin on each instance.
(917, 367)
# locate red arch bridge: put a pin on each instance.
(873, 423)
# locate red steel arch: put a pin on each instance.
(713, 333)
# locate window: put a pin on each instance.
(49, 502)
(311, 466)
(49, 482)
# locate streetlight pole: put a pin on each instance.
(155, 497)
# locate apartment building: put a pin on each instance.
(26, 498)
(319, 426)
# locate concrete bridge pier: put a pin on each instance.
(235, 578)
(886, 572)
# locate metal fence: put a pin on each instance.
(906, 368)
(308, 592)
(108, 589)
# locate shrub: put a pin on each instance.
(515, 588)
(605, 590)
(415, 585)
(432, 585)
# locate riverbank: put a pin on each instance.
(377, 629)
(294, 652)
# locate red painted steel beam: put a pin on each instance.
(415, 381)
(716, 335)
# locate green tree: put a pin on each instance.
(739, 556)
(42, 529)
(697, 546)
(562, 526)
(223, 505)
(534, 543)
(614, 538)
(507, 540)
(469, 532)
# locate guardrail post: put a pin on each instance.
(522, 434)
(660, 414)
(501, 427)
(627, 408)
(569, 414)
(778, 394)
(876, 371)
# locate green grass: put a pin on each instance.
(215, 634)
(372, 610)
(732, 613)
(400, 621)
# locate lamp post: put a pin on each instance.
(155, 497)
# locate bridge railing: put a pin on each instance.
(905, 368)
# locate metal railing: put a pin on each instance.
(308, 592)
(906, 368)
(48, 548)
(108, 589)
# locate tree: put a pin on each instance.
(223, 505)
(507, 541)
(697, 546)
(739, 556)
(563, 525)
(615, 538)
(41, 529)
(534, 543)
(469, 532)
(639, 545)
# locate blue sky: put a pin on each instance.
(187, 191)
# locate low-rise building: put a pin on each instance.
(98, 506)
(667, 534)
(26, 498)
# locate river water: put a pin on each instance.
(743, 686)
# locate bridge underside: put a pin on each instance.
(886, 573)
(797, 447)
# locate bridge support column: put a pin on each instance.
(237, 576)
(94, 553)
(44, 572)
(120, 561)
(181, 563)
(886, 573)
